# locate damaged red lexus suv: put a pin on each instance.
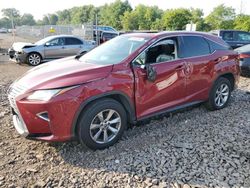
(129, 78)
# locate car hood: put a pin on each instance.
(62, 73)
(18, 46)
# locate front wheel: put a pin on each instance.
(102, 124)
(34, 59)
(220, 94)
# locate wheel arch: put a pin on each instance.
(35, 52)
(121, 97)
(229, 76)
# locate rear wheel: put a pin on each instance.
(102, 124)
(220, 94)
(34, 59)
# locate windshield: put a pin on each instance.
(43, 41)
(114, 51)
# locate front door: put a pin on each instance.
(55, 48)
(169, 88)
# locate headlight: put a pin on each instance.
(20, 52)
(46, 95)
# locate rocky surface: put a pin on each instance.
(192, 148)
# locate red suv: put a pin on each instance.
(129, 78)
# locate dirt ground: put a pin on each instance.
(193, 148)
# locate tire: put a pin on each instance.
(220, 94)
(34, 59)
(91, 130)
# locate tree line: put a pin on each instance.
(122, 16)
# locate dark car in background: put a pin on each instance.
(244, 54)
(104, 33)
(52, 47)
(234, 38)
(105, 28)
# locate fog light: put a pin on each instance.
(43, 115)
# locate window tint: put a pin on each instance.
(228, 36)
(56, 42)
(109, 35)
(194, 46)
(73, 41)
(163, 51)
(216, 46)
(241, 36)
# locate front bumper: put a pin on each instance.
(11, 53)
(20, 58)
(57, 123)
(17, 56)
(20, 126)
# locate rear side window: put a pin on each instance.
(194, 46)
(216, 46)
(109, 35)
(228, 36)
(244, 37)
(73, 41)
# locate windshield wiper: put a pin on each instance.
(80, 55)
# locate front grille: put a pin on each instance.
(14, 91)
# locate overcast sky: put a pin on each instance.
(41, 7)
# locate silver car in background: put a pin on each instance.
(52, 47)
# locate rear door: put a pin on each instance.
(195, 52)
(55, 48)
(73, 46)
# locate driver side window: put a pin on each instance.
(57, 42)
(163, 51)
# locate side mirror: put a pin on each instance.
(150, 71)
(47, 44)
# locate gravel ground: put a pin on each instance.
(192, 148)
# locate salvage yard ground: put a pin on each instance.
(192, 148)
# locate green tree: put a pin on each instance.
(5, 22)
(242, 22)
(221, 17)
(157, 25)
(129, 21)
(197, 18)
(12, 14)
(45, 20)
(112, 14)
(64, 17)
(27, 19)
(9, 12)
(143, 18)
(196, 14)
(83, 14)
(53, 19)
(176, 19)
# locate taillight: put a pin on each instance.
(242, 56)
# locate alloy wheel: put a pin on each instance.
(105, 126)
(34, 59)
(222, 95)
